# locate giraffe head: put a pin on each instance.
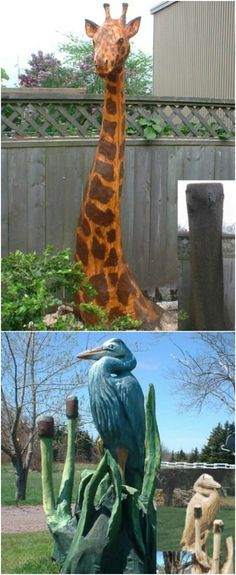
(111, 41)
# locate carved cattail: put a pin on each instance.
(72, 407)
(46, 426)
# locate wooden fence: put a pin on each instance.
(50, 112)
(43, 176)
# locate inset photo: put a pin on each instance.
(206, 255)
(201, 516)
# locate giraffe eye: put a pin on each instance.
(120, 41)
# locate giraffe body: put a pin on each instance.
(98, 244)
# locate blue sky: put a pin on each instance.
(156, 358)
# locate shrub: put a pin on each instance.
(34, 285)
(31, 284)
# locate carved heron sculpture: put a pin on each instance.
(117, 406)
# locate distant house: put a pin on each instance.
(194, 49)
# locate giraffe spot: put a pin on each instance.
(85, 227)
(123, 124)
(112, 77)
(111, 88)
(121, 173)
(112, 259)
(98, 216)
(82, 250)
(125, 288)
(109, 127)
(99, 282)
(123, 50)
(111, 236)
(120, 190)
(98, 250)
(99, 233)
(111, 107)
(108, 149)
(105, 170)
(100, 192)
(113, 278)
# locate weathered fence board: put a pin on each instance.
(36, 199)
(43, 182)
(5, 203)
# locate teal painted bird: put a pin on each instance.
(117, 406)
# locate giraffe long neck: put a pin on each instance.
(112, 137)
(98, 233)
(106, 176)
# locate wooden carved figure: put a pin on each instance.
(206, 498)
(98, 244)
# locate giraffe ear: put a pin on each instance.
(132, 27)
(90, 28)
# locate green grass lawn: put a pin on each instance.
(28, 553)
(170, 524)
(19, 549)
(34, 488)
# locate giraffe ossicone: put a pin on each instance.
(98, 244)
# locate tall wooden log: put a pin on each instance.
(205, 213)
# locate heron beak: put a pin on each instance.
(91, 353)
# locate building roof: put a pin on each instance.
(161, 5)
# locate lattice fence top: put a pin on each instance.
(52, 113)
(196, 465)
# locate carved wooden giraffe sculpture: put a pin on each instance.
(98, 243)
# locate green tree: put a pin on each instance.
(172, 459)
(180, 455)
(212, 452)
(78, 71)
(84, 445)
(78, 55)
(194, 455)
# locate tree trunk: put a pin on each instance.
(205, 213)
(21, 482)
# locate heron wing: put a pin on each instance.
(132, 399)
